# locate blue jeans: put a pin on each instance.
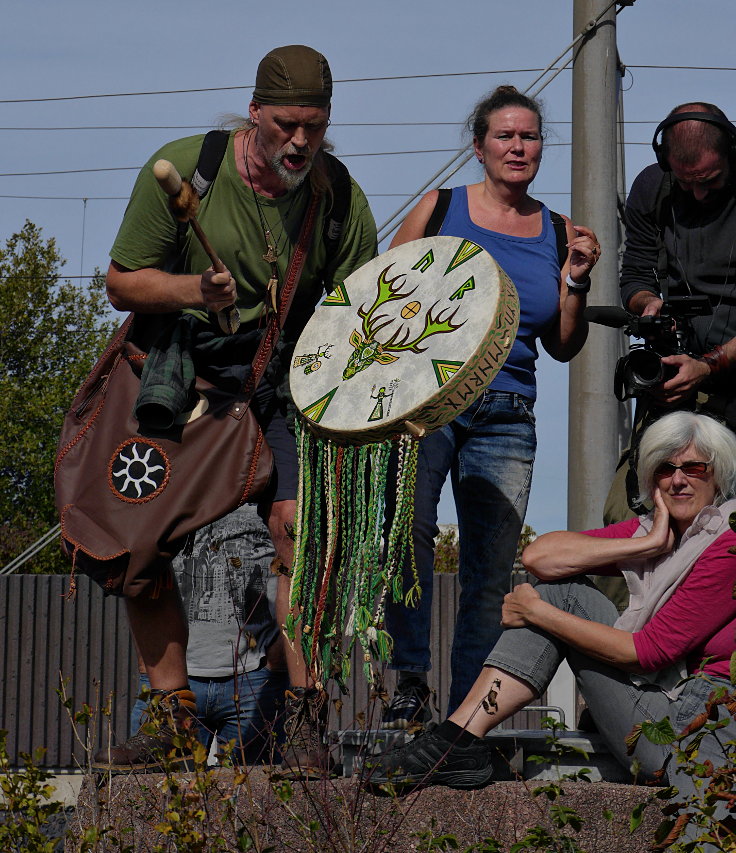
(249, 711)
(615, 703)
(489, 449)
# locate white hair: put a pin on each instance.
(671, 434)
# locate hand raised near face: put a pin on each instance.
(661, 537)
(585, 250)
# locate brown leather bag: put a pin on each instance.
(128, 498)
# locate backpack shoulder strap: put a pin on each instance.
(558, 223)
(438, 214)
(211, 155)
(335, 217)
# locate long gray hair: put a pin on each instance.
(672, 433)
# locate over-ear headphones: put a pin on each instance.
(724, 124)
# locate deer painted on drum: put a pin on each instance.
(368, 349)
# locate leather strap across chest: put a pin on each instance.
(276, 320)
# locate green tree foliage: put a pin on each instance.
(447, 549)
(51, 332)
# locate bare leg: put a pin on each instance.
(493, 698)
(160, 631)
(280, 515)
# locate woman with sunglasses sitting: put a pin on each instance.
(678, 565)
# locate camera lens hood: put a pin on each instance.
(642, 371)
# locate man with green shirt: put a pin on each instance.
(253, 212)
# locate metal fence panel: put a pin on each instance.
(85, 643)
(48, 638)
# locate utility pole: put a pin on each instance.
(594, 433)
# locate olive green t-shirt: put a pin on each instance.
(234, 222)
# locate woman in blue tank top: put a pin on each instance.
(489, 449)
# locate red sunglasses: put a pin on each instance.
(689, 469)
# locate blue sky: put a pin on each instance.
(56, 50)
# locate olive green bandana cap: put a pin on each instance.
(294, 75)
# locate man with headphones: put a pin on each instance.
(681, 241)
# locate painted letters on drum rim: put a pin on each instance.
(495, 346)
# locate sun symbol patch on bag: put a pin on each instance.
(139, 470)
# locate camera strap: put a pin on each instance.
(662, 214)
(641, 422)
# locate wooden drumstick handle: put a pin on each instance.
(167, 176)
(184, 204)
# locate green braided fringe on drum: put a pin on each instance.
(343, 569)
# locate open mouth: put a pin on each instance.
(294, 162)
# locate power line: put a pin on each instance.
(382, 79)
(126, 197)
(686, 67)
(207, 126)
(251, 85)
(342, 156)
(59, 276)
(70, 171)
(332, 124)
(69, 197)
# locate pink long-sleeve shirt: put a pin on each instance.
(699, 620)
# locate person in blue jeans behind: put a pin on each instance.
(489, 449)
(235, 666)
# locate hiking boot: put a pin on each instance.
(433, 758)
(151, 749)
(410, 707)
(305, 754)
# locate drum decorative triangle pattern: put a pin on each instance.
(466, 250)
(339, 297)
(444, 370)
(318, 408)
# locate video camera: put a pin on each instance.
(669, 333)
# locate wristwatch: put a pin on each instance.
(578, 286)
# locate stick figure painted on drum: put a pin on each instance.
(312, 361)
(383, 395)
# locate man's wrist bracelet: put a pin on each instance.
(716, 359)
(578, 286)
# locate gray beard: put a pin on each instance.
(291, 180)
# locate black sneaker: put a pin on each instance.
(410, 707)
(431, 759)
